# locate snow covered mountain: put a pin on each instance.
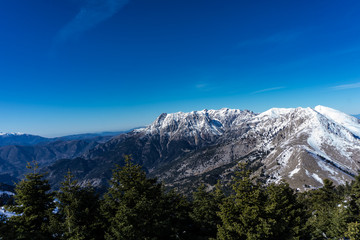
(307, 145)
(20, 139)
(299, 145)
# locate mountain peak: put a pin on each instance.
(199, 122)
(12, 134)
(349, 122)
(299, 145)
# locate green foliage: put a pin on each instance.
(33, 205)
(285, 216)
(354, 205)
(329, 215)
(242, 214)
(254, 212)
(78, 215)
(138, 208)
(353, 231)
(204, 212)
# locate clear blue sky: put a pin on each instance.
(72, 66)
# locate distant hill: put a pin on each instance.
(84, 136)
(17, 149)
(23, 139)
(7, 139)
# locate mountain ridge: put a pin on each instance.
(298, 145)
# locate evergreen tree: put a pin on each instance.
(7, 230)
(33, 205)
(354, 205)
(353, 227)
(138, 208)
(257, 212)
(285, 216)
(328, 220)
(78, 212)
(204, 213)
(242, 214)
(353, 231)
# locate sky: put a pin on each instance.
(76, 66)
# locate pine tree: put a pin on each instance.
(257, 212)
(33, 205)
(204, 213)
(353, 226)
(285, 216)
(354, 205)
(328, 220)
(353, 231)
(78, 212)
(138, 208)
(2, 226)
(242, 214)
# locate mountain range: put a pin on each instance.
(17, 149)
(302, 146)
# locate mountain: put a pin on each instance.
(168, 138)
(17, 149)
(357, 116)
(102, 136)
(299, 145)
(20, 139)
(13, 158)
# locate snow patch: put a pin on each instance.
(7, 192)
(349, 122)
(317, 178)
(296, 170)
(275, 112)
(6, 213)
(284, 157)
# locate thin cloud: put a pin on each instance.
(267, 90)
(205, 87)
(201, 85)
(347, 86)
(91, 14)
(275, 38)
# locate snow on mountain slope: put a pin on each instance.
(20, 139)
(11, 134)
(6, 192)
(302, 146)
(349, 122)
(308, 145)
(205, 122)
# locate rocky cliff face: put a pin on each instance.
(299, 145)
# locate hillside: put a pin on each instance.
(300, 145)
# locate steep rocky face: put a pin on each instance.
(299, 145)
(172, 135)
(310, 146)
(167, 139)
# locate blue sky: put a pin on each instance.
(73, 66)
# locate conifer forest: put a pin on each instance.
(136, 207)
